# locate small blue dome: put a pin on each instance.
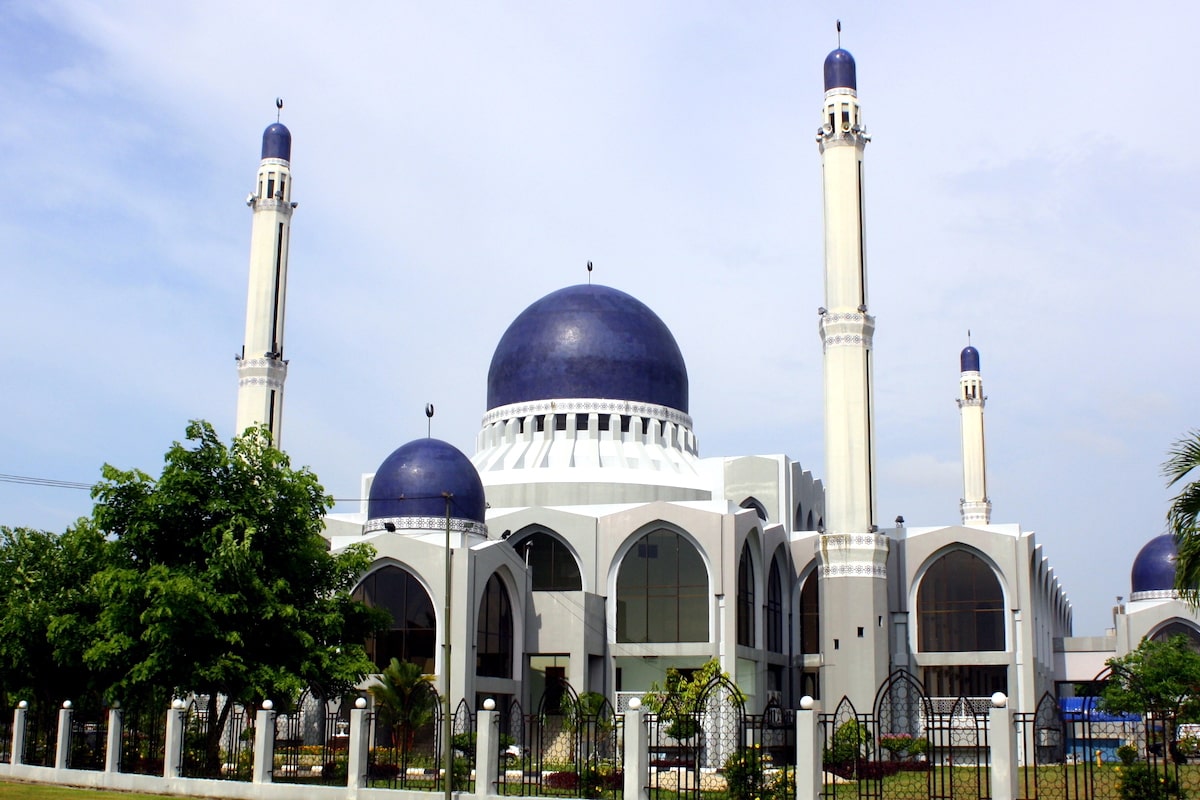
(840, 71)
(1154, 567)
(969, 360)
(277, 142)
(411, 481)
(588, 342)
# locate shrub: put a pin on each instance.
(1141, 782)
(745, 775)
(561, 780)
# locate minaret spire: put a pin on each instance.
(262, 368)
(853, 553)
(975, 507)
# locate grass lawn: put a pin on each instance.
(10, 790)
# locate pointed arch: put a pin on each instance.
(494, 631)
(754, 504)
(1177, 626)
(412, 634)
(662, 590)
(960, 604)
(773, 608)
(553, 565)
(746, 616)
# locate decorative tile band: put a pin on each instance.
(586, 406)
(854, 569)
(426, 524)
(1157, 594)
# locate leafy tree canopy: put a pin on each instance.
(47, 614)
(220, 581)
(1159, 676)
(1183, 460)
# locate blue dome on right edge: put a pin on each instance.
(277, 142)
(1154, 567)
(840, 71)
(969, 360)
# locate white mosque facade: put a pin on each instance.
(588, 539)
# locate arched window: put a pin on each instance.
(809, 525)
(745, 598)
(799, 518)
(960, 606)
(759, 508)
(552, 567)
(662, 591)
(1178, 627)
(494, 634)
(810, 616)
(411, 635)
(773, 619)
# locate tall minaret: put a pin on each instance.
(976, 507)
(853, 554)
(262, 368)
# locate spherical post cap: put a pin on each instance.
(806, 702)
(177, 704)
(999, 700)
(635, 703)
(489, 705)
(268, 705)
(115, 704)
(66, 703)
(360, 702)
(23, 704)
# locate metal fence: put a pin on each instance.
(217, 741)
(312, 740)
(89, 737)
(143, 739)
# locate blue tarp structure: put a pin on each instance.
(1078, 709)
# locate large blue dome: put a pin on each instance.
(277, 142)
(969, 359)
(1154, 567)
(411, 482)
(588, 342)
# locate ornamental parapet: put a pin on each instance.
(425, 525)
(854, 555)
(269, 372)
(846, 329)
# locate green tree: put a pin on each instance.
(678, 702)
(47, 613)
(1159, 676)
(220, 583)
(405, 700)
(1182, 460)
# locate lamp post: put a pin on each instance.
(447, 723)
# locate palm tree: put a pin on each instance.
(405, 700)
(1182, 517)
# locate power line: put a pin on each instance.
(51, 482)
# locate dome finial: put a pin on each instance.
(589, 273)
(839, 33)
(279, 106)
(429, 420)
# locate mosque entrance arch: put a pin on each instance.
(412, 634)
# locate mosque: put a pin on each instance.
(588, 539)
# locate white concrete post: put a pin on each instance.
(112, 744)
(264, 744)
(18, 733)
(637, 753)
(809, 772)
(356, 756)
(1002, 737)
(487, 749)
(173, 749)
(63, 746)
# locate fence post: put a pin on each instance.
(264, 743)
(808, 749)
(1002, 736)
(63, 745)
(18, 733)
(173, 749)
(487, 749)
(359, 749)
(112, 744)
(637, 753)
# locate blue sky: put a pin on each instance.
(1031, 178)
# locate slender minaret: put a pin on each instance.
(853, 554)
(262, 368)
(975, 506)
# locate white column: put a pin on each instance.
(637, 753)
(976, 508)
(264, 744)
(112, 744)
(487, 749)
(809, 772)
(173, 749)
(356, 755)
(63, 745)
(1002, 737)
(18, 733)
